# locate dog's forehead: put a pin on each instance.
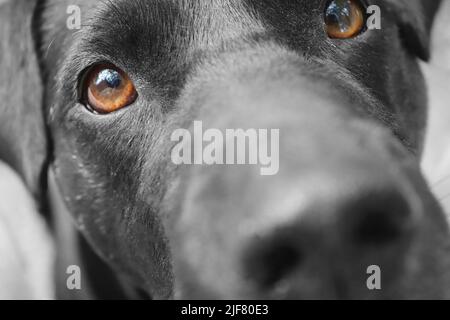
(201, 16)
(212, 8)
(197, 20)
(145, 24)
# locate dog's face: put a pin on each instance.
(351, 116)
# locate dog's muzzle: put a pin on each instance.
(348, 215)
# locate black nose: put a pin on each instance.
(370, 224)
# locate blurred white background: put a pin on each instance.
(436, 163)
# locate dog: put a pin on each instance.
(87, 116)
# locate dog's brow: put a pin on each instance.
(191, 23)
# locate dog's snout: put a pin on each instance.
(366, 224)
(347, 196)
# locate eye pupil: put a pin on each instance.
(339, 13)
(109, 78)
(344, 18)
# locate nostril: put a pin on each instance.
(270, 262)
(377, 228)
(381, 219)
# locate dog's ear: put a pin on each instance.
(415, 21)
(23, 142)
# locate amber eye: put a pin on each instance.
(106, 88)
(344, 19)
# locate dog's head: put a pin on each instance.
(348, 101)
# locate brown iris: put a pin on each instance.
(107, 88)
(344, 19)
